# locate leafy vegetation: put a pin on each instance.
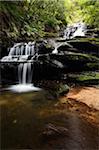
(83, 10)
(34, 18)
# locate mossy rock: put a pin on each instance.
(85, 78)
(63, 89)
(55, 88)
(88, 76)
(60, 90)
(86, 47)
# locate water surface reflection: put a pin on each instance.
(25, 115)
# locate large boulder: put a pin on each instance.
(55, 88)
(43, 47)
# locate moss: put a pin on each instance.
(93, 65)
(84, 78)
(88, 76)
(50, 34)
(86, 39)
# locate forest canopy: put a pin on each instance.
(36, 17)
(83, 10)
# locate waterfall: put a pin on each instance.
(25, 73)
(20, 52)
(55, 51)
(22, 49)
(78, 29)
(56, 45)
(20, 72)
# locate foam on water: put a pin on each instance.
(21, 88)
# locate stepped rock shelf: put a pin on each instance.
(52, 58)
(50, 66)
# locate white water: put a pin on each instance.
(56, 45)
(78, 29)
(22, 49)
(20, 53)
(55, 51)
(25, 73)
(21, 88)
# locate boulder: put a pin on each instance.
(43, 47)
(54, 87)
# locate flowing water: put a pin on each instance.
(78, 29)
(21, 52)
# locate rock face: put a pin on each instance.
(74, 56)
(86, 47)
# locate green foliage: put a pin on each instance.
(90, 11)
(32, 17)
(83, 10)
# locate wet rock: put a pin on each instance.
(43, 47)
(51, 131)
(91, 32)
(8, 73)
(85, 47)
(55, 88)
(63, 89)
(75, 61)
(53, 66)
(84, 78)
(67, 47)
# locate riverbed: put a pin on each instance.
(24, 117)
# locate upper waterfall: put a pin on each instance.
(77, 29)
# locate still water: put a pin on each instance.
(25, 115)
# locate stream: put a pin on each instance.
(30, 117)
(24, 118)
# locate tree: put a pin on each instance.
(83, 10)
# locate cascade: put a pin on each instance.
(20, 53)
(56, 45)
(22, 49)
(78, 29)
(25, 73)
